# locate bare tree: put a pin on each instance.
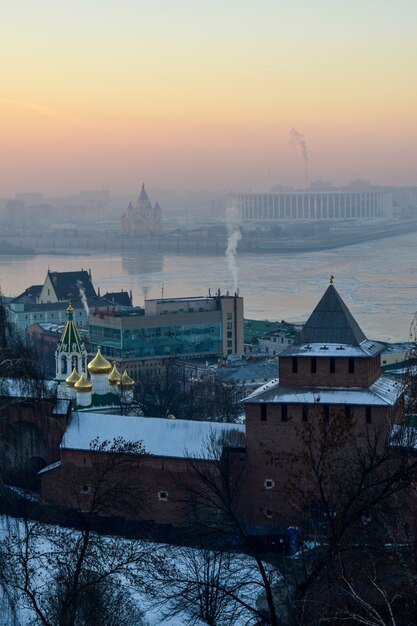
(74, 576)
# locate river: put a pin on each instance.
(376, 279)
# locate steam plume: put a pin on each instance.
(83, 296)
(233, 237)
(298, 142)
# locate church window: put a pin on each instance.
(263, 412)
(163, 496)
(269, 483)
(326, 412)
(351, 365)
(85, 489)
(305, 413)
(268, 513)
(284, 412)
(294, 365)
(348, 411)
(368, 414)
(332, 365)
(313, 365)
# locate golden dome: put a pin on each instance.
(70, 309)
(114, 375)
(72, 378)
(99, 365)
(83, 384)
(126, 382)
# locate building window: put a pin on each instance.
(305, 413)
(368, 414)
(284, 413)
(332, 365)
(229, 316)
(229, 334)
(85, 489)
(326, 412)
(313, 365)
(351, 365)
(268, 513)
(163, 496)
(229, 344)
(294, 365)
(348, 411)
(263, 412)
(269, 483)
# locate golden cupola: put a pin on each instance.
(126, 382)
(73, 378)
(83, 384)
(115, 375)
(99, 365)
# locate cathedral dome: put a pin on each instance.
(115, 375)
(73, 378)
(99, 365)
(83, 384)
(126, 382)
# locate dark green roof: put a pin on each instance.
(331, 322)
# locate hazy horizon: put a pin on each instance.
(188, 95)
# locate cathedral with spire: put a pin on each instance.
(143, 218)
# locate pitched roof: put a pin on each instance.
(121, 298)
(29, 295)
(159, 436)
(331, 322)
(66, 283)
(384, 391)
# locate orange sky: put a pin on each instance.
(190, 94)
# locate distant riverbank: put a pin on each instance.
(189, 242)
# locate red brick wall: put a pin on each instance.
(270, 455)
(145, 479)
(365, 373)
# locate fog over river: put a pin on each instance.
(376, 279)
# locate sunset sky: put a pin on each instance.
(192, 94)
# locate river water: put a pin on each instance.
(376, 279)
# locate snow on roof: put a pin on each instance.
(383, 392)
(159, 436)
(366, 348)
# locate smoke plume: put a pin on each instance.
(83, 296)
(298, 142)
(233, 237)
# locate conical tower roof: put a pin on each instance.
(331, 322)
(70, 337)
